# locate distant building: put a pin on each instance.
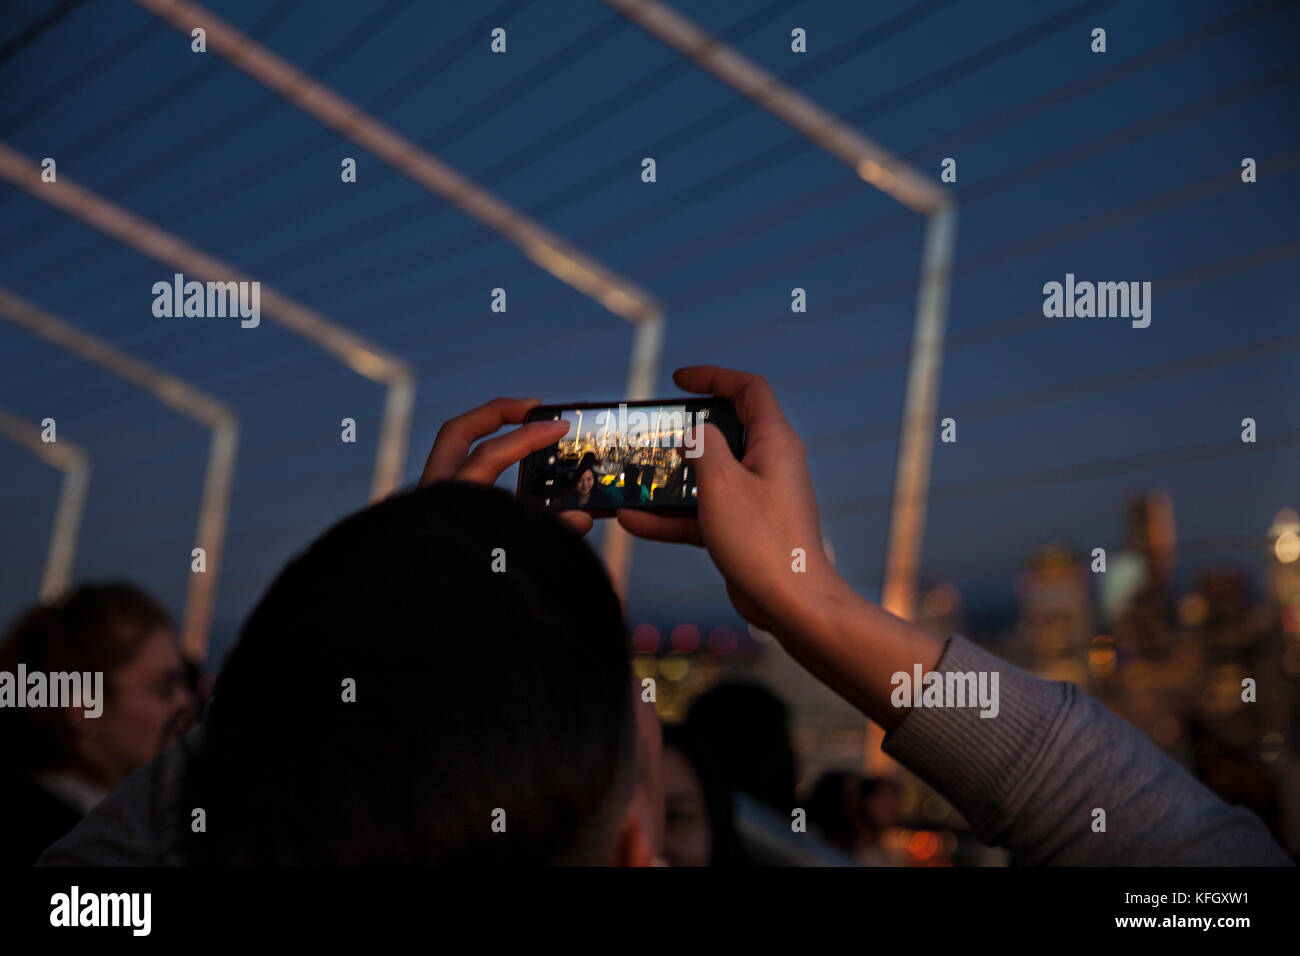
(1057, 620)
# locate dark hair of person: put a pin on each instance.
(829, 806)
(95, 627)
(476, 691)
(727, 849)
(871, 784)
(632, 483)
(744, 732)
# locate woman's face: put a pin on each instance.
(586, 481)
(688, 832)
(151, 707)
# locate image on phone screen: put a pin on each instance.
(627, 455)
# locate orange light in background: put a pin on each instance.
(923, 846)
(1286, 527)
(1193, 609)
(1101, 656)
(1222, 693)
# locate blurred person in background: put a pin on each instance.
(699, 819)
(634, 492)
(857, 814)
(56, 763)
(880, 801)
(743, 731)
(833, 808)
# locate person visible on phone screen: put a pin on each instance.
(635, 493)
(671, 489)
(588, 493)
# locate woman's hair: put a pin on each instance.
(95, 628)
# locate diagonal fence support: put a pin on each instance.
(361, 356)
(74, 463)
(561, 259)
(181, 397)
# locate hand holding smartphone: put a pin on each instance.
(616, 455)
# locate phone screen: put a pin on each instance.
(624, 455)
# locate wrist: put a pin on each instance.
(854, 646)
(815, 608)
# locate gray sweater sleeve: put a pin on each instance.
(1029, 779)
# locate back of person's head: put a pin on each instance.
(744, 731)
(833, 807)
(631, 482)
(96, 628)
(442, 678)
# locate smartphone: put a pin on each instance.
(625, 455)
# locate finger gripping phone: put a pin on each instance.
(626, 455)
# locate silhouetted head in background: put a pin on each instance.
(699, 817)
(834, 808)
(631, 484)
(481, 696)
(854, 812)
(882, 807)
(743, 730)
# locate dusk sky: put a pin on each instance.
(1116, 166)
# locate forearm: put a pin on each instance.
(1032, 779)
(856, 647)
(1032, 772)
